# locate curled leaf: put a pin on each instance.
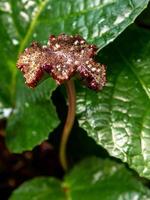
(63, 57)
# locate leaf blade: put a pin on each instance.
(39, 188)
(100, 179)
(33, 118)
(116, 117)
(21, 23)
(91, 179)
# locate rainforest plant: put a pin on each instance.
(65, 41)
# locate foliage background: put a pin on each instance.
(116, 119)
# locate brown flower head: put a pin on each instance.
(63, 57)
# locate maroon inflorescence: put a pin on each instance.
(63, 57)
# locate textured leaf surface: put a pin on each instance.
(118, 118)
(98, 20)
(91, 179)
(39, 189)
(33, 118)
(24, 21)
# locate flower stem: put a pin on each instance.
(70, 88)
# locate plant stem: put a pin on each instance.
(70, 88)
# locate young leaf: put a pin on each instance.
(92, 179)
(118, 118)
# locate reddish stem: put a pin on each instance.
(70, 88)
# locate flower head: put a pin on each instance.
(63, 57)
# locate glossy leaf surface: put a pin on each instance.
(118, 118)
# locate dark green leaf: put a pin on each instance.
(98, 21)
(39, 189)
(118, 118)
(33, 118)
(97, 179)
(92, 179)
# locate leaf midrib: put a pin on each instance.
(32, 25)
(23, 43)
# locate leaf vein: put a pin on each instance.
(32, 25)
(136, 75)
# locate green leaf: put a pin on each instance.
(118, 117)
(97, 179)
(98, 21)
(39, 189)
(24, 21)
(92, 179)
(33, 118)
